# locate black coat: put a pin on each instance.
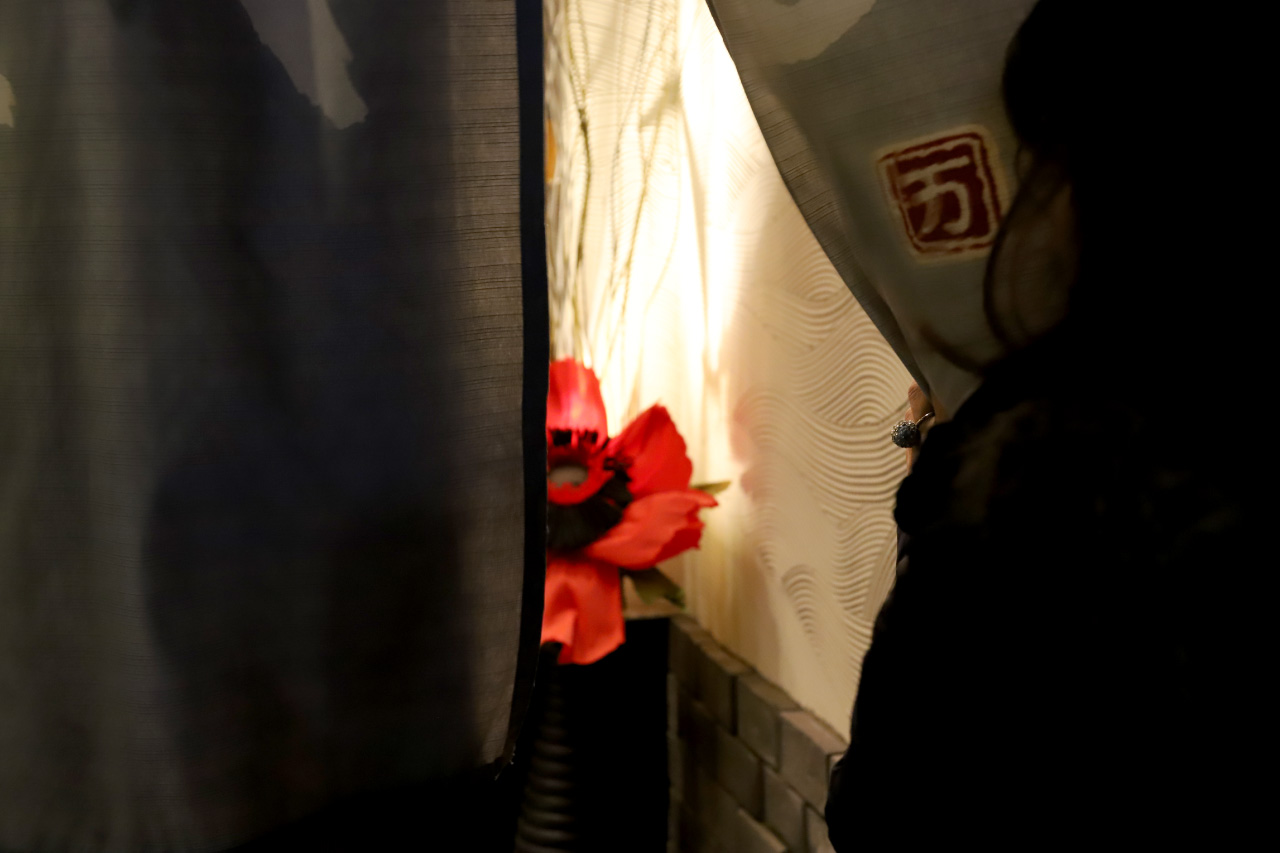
(1058, 657)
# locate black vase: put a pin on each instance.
(593, 756)
(553, 813)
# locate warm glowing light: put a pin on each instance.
(682, 273)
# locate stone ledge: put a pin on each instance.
(748, 768)
(675, 807)
(815, 830)
(783, 810)
(677, 762)
(805, 754)
(760, 706)
(752, 837)
(738, 770)
(698, 731)
(718, 673)
(673, 704)
(714, 809)
(686, 636)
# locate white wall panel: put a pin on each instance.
(683, 272)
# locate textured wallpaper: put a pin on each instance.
(683, 272)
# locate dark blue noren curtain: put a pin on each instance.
(272, 377)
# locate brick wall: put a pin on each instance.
(748, 768)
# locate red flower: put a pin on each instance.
(620, 503)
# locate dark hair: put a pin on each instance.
(1124, 113)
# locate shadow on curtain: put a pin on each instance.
(270, 457)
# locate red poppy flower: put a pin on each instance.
(620, 503)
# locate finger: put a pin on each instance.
(909, 415)
(918, 401)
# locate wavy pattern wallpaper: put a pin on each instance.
(684, 273)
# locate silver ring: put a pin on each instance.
(906, 434)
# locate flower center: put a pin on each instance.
(570, 474)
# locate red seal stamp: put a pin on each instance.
(947, 191)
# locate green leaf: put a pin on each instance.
(713, 488)
(651, 584)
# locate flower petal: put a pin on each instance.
(657, 454)
(574, 402)
(582, 608)
(653, 528)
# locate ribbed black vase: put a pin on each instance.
(593, 762)
(553, 808)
